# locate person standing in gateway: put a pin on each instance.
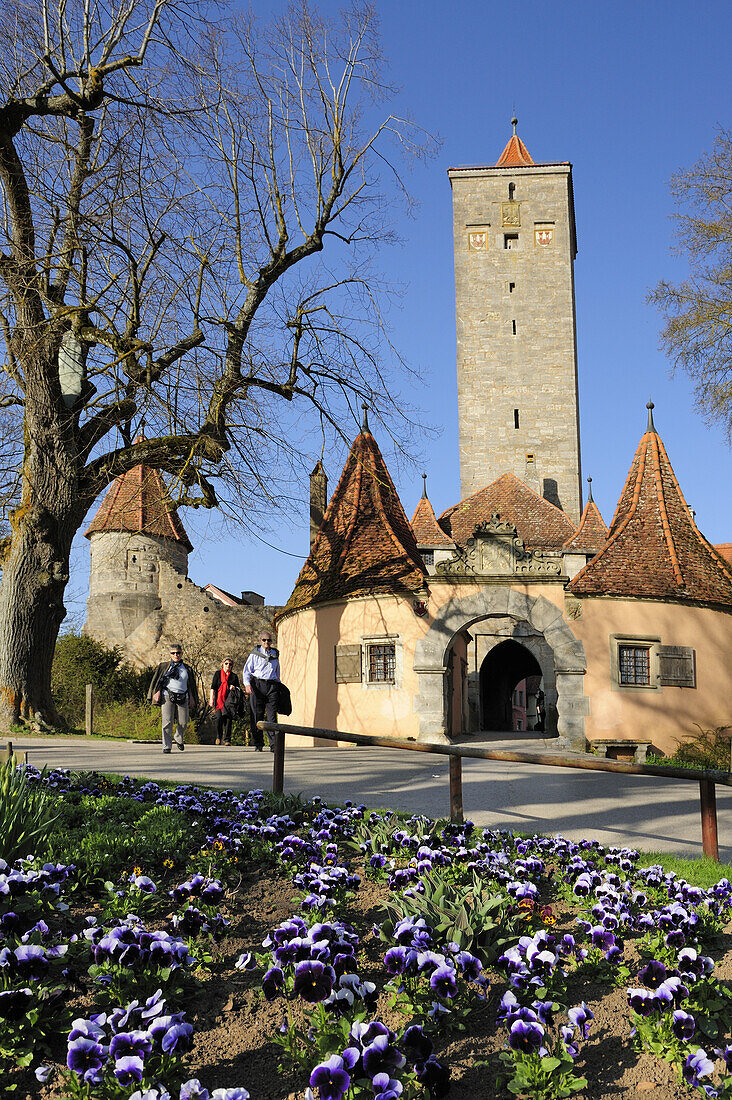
(173, 688)
(261, 677)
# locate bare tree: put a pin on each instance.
(698, 312)
(169, 187)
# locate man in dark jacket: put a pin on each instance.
(261, 678)
(173, 688)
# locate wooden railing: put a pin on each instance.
(457, 753)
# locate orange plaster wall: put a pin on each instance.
(307, 643)
(664, 714)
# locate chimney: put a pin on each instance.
(318, 499)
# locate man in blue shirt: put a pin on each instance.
(261, 677)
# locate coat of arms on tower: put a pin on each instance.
(544, 234)
(510, 214)
(478, 240)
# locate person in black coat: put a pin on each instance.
(224, 679)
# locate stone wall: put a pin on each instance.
(141, 599)
(516, 344)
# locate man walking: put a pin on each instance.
(174, 689)
(261, 677)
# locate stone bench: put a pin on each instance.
(606, 745)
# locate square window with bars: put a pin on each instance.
(634, 662)
(382, 664)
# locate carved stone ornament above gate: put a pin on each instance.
(495, 550)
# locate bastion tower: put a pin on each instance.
(515, 244)
(135, 534)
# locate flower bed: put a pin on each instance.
(193, 944)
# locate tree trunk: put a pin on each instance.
(35, 565)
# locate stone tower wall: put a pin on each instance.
(124, 582)
(141, 599)
(516, 342)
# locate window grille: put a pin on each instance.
(428, 557)
(635, 664)
(382, 664)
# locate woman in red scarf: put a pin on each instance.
(223, 681)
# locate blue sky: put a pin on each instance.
(629, 93)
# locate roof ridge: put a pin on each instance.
(613, 535)
(382, 510)
(348, 538)
(667, 533)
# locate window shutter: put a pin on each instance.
(348, 664)
(677, 666)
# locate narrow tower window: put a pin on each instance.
(510, 240)
(515, 418)
(513, 327)
(511, 288)
(511, 191)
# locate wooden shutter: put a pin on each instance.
(348, 664)
(677, 666)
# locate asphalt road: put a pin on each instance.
(638, 811)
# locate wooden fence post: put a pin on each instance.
(456, 789)
(278, 764)
(89, 711)
(708, 798)
(7, 752)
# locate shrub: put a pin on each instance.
(27, 814)
(705, 749)
(80, 660)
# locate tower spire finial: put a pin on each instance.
(590, 498)
(651, 426)
(365, 423)
(424, 486)
(514, 123)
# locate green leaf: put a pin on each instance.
(549, 1064)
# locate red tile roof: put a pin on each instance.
(592, 531)
(365, 543)
(725, 549)
(139, 502)
(541, 525)
(654, 548)
(515, 155)
(427, 530)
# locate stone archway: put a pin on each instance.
(544, 621)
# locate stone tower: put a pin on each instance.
(135, 535)
(515, 244)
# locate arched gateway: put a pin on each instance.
(534, 621)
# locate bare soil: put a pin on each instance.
(234, 1025)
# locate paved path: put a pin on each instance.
(643, 811)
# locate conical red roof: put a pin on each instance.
(427, 530)
(654, 548)
(592, 531)
(515, 155)
(139, 502)
(365, 543)
(541, 525)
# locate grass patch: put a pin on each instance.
(704, 872)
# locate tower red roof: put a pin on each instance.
(655, 549)
(427, 530)
(139, 502)
(365, 544)
(592, 531)
(515, 155)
